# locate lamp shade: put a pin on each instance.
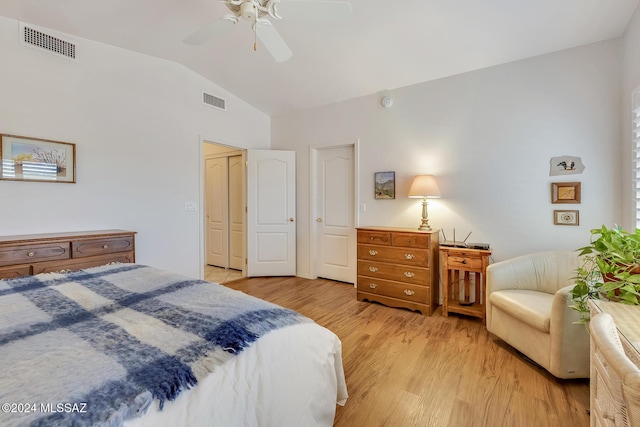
(424, 186)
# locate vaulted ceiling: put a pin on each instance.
(386, 44)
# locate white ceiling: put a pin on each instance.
(387, 44)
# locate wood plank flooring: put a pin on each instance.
(405, 369)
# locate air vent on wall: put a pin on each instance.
(44, 39)
(214, 101)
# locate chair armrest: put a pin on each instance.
(561, 308)
(569, 339)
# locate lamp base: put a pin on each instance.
(424, 226)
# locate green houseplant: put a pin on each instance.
(610, 269)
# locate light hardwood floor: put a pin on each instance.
(220, 275)
(405, 369)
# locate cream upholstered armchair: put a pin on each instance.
(528, 306)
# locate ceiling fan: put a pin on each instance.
(258, 12)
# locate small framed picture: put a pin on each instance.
(34, 159)
(385, 185)
(565, 192)
(566, 217)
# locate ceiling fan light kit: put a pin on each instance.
(249, 11)
(255, 11)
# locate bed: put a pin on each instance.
(131, 345)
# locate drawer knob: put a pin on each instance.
(409, 256)
(105, 246)
(409, 292)
(31, 254)
(409, 274)
(373, 269)
(372, 252)
(373, 285)
(464, 261)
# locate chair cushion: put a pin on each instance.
(530, 307)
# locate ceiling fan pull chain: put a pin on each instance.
(255, 33)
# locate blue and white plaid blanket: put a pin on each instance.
(97, 346)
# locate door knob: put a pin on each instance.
(291, 219)
(319, 220)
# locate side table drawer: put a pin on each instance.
(85, 248)
(464, 262)
(25, 254)
(393, 289)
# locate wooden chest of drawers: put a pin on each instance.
(398, 267)
(45, 253)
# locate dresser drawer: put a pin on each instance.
(405, 256)
(409, 240)
(25, 254)
(374, 237)
(14, 271)
(404, 291)
(92, 247)
(399, 273)
(83, 262)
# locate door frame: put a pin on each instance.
(313, 194)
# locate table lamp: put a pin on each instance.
(424, 187)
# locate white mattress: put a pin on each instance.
(290, 377)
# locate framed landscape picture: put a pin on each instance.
(34, 159)
(385, 185)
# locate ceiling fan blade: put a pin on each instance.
(208, 31)
(273, 41)
(315, 10)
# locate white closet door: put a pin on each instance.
(217, 212)
(236, 211)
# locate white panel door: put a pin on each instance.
(335, 229)
(217, 216)
(236, 212)
(271, 205)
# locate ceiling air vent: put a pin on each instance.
(42, 39)
(214, 101)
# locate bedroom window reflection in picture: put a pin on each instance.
(34, 159)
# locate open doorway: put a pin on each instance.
(224, 212)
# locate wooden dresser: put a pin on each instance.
(45, 253)
(398, 267)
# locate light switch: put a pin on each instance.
(363, 207)
(190, 206)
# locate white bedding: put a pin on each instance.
(291, 377)
(118, 340)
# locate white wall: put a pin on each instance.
(488, 136)
(630, 82)
(138, 123)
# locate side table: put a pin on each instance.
(464, 270)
